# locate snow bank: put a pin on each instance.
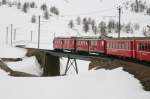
(28, 65)
(100, 84)
(12, 52)
(3, 73)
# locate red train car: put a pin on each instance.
(120, 47)
(58, 43)
(97, 45)
(82, 44)
(143, 49)
(64, 43)
(137, 48)
(69, 44)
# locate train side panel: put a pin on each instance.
(82, 45)
(97, 45)
(121, 48)
(143, 50)
(58, 43)
(69, 44)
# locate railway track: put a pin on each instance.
(89, 57)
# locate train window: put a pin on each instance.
(122, 45)
(148, 46)
(118, 45)
(113, 45)
(96, 43)
(110, 45)
(142, 47)
(86, 43)
(125, 46)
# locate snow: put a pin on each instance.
(104, 84)
(82, 66)
(12, 52)
(3, 73)
(28, 65)
(94, 84)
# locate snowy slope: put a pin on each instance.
(58, 25)
(99, 84)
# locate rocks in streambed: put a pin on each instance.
(11, 59)
(4, 67)
(21, 74)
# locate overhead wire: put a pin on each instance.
(89, 13)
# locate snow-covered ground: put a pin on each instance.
(105, 84)
(12, 52)
(94, 84)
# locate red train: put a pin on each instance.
(136, 48)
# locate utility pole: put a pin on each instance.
(7, 35)
(137, 6)
(39, 32)
(14, 34)
(31, 35)
(11, 33)
(119, 28)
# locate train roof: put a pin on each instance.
(78, 37)
(130, 38)
(96, 38)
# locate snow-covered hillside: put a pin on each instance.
(57, 25)
(104, 84)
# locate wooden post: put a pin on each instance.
(137, 6)
(11, 34)
(119, 28)
(39, 33)
(7, 35)
(14, 34)
(31, 35)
